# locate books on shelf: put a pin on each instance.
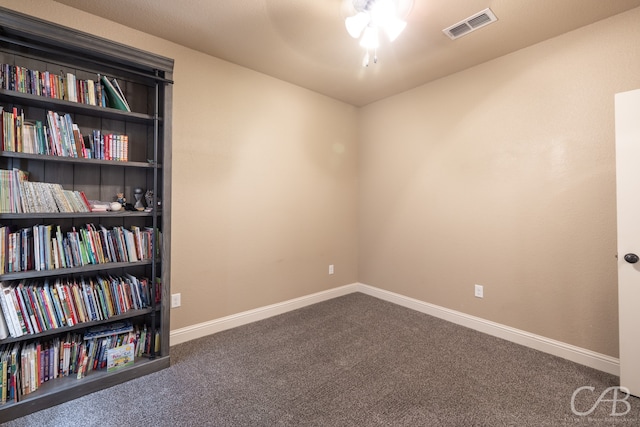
(19, 195)
(101, 92)
(45, 247)
(58, 135)
(10, 187)
(108, 146)
(26, 366)
(32, 306)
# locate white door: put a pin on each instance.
(627, 106)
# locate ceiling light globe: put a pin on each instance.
(356, 24)
(394, 28)
(369, 38)
(382, 11)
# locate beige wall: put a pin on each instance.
(503, 175)
(264, 180)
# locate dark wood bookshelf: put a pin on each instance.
(146, 80)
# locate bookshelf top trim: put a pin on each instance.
(77, 43)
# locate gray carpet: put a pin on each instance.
(351, 361)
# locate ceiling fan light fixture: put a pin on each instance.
(373, 16)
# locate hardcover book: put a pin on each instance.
(113, 96)
(120, 357)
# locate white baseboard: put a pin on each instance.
(579, 355)
(570, 352)
(200, 330)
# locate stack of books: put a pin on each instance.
(18, 195)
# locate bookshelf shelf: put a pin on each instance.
(32, 274)
(62, 215)
(120, 317)
(79, 160)
(68, 388)
(34, 302)
(12, 96)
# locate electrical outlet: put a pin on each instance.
(479, 291)
(330, 268)
(175, 300)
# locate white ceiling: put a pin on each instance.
(305, 41)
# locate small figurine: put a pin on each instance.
(121, 199)
(149, 198)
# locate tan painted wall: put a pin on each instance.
(503, 175)
(264, 180)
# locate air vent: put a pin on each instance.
(470, 24)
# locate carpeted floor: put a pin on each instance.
(353, 361)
